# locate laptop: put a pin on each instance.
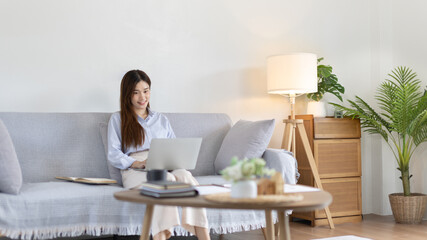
(173, 153)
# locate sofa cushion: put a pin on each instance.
(57, 144)
(10, 170)
(245, 139)
(114, 172)
(283, 162)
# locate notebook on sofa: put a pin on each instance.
(88, 180)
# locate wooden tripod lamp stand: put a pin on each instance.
(291, 75)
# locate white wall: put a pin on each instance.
(207, 56)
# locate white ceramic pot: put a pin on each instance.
(244, 189)
(318, 109)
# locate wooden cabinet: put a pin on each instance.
(336, 149)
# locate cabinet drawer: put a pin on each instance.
(338, 158)
(346, 194)
(336, 128)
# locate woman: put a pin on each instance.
(129, 135)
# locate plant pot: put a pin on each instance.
(244, 189)
(408, 209)
(318, 109)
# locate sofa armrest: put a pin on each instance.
(284, 162)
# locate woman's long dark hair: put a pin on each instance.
(133, 133)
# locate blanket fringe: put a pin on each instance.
(221, 229)
(75, 231)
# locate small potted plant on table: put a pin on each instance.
(243, 173)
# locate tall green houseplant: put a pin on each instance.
(403, 119)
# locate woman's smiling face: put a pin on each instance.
(140, 97)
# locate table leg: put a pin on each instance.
(276, 229)
(287, 229)
(284, 226)
(269, 225)
(264, 233)
(146, 224)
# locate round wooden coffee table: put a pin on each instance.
(311, 201)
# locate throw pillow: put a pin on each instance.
(114, 172)
(245, 139)
(10, 170)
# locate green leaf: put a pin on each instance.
(327, 82)
(337, 94)
(324, 71)
(369, 119)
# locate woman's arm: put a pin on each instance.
(170, 132)
(115, 154)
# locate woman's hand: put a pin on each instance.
(138, 164)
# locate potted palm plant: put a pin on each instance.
(327, 82)
(402, 123)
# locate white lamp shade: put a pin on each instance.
(294, 73)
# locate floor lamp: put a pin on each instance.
(292, 75)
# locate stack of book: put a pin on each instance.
(168, 189)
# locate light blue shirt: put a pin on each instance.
(156, 125)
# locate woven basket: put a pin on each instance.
(408, 209)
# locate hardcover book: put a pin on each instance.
(165, 185)
(170, 193)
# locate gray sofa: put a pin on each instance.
(70, 144)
